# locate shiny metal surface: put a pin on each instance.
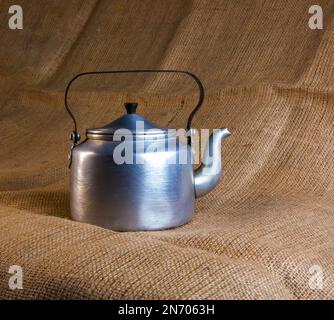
(157, 189)
(207, 176)
(75, 136)
(134, 123)
(131, 197)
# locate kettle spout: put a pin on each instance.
(207, 176)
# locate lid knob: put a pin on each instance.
(130, 107)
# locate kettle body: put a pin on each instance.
(126, 176)
(151, 194)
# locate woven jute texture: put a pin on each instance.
(268, 227)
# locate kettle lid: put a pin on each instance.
(131, 121)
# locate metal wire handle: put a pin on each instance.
(75, 136)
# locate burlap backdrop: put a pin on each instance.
(269, 78)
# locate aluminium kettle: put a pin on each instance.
(132, 175)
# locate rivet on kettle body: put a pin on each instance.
(151, 192)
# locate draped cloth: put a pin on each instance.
(267, 229)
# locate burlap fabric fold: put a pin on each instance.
(268, 226)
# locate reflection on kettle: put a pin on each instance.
(147, 194)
